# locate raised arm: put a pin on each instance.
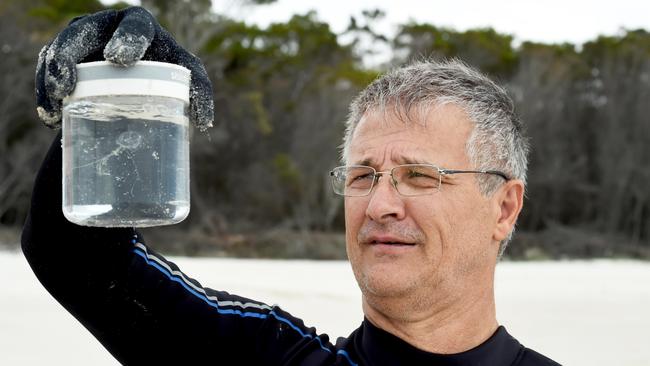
(135, 302)
(140, 306)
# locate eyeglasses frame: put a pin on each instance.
(441, 171)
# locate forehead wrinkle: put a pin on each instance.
(369, 160)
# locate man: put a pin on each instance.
(433, 180)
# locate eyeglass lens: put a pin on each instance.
(410, 179)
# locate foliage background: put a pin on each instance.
(259, 178)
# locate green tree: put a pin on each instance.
(620, 92)
(486, 49)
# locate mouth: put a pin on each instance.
(389, 241)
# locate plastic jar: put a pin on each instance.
(126, 145)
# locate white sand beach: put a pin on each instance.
(577, 312)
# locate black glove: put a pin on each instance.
(122, 37)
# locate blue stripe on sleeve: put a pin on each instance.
(193, 292)
(242, 314)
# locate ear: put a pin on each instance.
(510, 200)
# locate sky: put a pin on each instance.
(549, 21)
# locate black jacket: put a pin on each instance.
(144, 310)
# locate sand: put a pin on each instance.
(577, 312)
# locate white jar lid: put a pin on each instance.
(103, 78)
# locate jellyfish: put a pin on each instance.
(129, 140)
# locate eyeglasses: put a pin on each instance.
(408, 179)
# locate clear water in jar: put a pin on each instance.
(125, 165)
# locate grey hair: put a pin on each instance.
(497, 141)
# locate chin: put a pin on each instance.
(384, 282)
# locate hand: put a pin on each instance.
(122, 37)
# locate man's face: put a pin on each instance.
(446, 241)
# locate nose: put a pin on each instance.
(385, 202)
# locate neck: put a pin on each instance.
(454, 326)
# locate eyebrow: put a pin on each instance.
(401, 160)
(405, 160)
